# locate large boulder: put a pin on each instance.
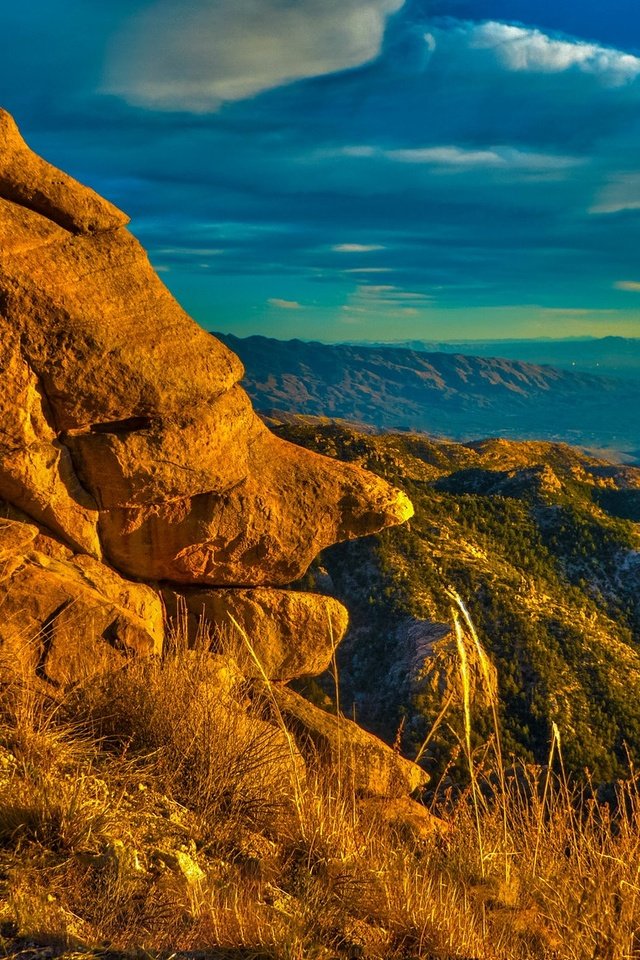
(280, 634)
(366, 763)
(190, 486)
(66, 616)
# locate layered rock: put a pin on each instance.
(126, 438)
(36, 472)
(190, 485)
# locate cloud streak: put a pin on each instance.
(460, 158)
(356, 247)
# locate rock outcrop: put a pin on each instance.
(128, 449)
(280, 634)
(373, 768)
(189, 484)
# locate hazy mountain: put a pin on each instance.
(452, 395)
(542, 543)
(609, 356)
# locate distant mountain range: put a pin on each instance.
(605, 356)
(444, 393)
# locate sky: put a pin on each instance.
(354, 169)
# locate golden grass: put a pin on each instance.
(147, 811)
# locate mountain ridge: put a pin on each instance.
(450, 395)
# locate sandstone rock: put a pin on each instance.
(107, 340)
(191, 486)
(65, 619)
(266, 529)
(374, 768)
(292, 634)
(36, 472)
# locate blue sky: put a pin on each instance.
(355, 169)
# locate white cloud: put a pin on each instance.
(631, 286)
(362, 151)
(356, 247)
(505, 157)
(525, 49)
(284, 304)
(430, 41)
(375, 290)
(447, 156)
(194, 55)
(450, 157)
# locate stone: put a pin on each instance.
(182, 865)
(67, 618)
(136, 410)
(409, 818)
(116, 858)
(435, 666)
(291, 634)
(372, 767)
(265, 529)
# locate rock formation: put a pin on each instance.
(129, 450)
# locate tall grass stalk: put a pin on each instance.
(492, 695)
(466, 695)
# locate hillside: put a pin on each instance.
(543, 544)
(452, 395)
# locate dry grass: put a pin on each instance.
(148, 812)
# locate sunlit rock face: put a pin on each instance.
(129, 453)
(168, 460)
(125, 437)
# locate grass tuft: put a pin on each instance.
(155, 811)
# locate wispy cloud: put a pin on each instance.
(194, 56)
(356, 247)
(284, 304)
(369, 270)
(385, 297)
(461, 158)
(621, 192)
